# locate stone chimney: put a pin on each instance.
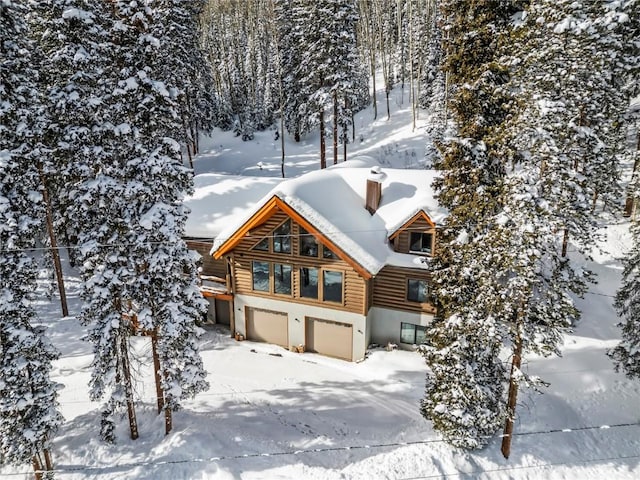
(374, 190)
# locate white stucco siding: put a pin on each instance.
(296, 319)
(385, 324)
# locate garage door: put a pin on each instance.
(267, 326)
(329, 338)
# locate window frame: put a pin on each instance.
(416, 328)
(271, 240)
(253, 276)
(273, 270)
(342, 285)
(300, 279)
(422, 234)
(427, 289)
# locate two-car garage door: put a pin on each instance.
(326, 337)
(333, 339)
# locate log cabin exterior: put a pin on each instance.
(334, 260)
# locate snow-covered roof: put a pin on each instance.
(219, 200)
(333, 201)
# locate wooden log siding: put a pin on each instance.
(390, 289)
(354, 291)
(403, 240)
(217, 268)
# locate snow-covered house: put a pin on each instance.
(335, 260)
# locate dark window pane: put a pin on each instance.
(420, 242)
(309, 283)
(407, 333)
(260, 272)
(282, 238)
(308, 244)
(417, 290)
(421, 334)
(263, 245)
(326, 253)
(416, 242)
(427, 239)
(332, 286)
(282, 278)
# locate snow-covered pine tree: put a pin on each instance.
(289, 16)
(346, 77)
(29, 415)
(135, 264)
(187, 67)
(626, 355)
(471, 188)
(433, 89)
(567, 133)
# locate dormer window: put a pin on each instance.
(421, 242)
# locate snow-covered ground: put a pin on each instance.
(273, 414)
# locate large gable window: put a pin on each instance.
(309, 282)
(282, 278)
(308, 244)
(260, 274)
(282, 238)
(278, 242)
(421, 242)
(332, 286)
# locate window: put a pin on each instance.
(282, 278)
(413, 334)
(332, 286)
(260, 271)
(417, 291)
(282, 238)
(309, 283)
(326, 253)
(263, 245)
(308, 244)
(421, 242)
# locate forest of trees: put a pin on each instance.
(101, 106)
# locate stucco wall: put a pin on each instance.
(385, 324)
(296, 319)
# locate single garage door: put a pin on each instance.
(329, 338)
(267, 326)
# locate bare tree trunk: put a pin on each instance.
(282, 144)
(189, 156)
(565, 242)
(335, 127)
(323, 153)
(55, 253)
(156, 370)
(512, 397)
(629, 205)
(47, 459)
(128, 387)
(37, 467)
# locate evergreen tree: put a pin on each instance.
(29, 414)
(135, 264)
(471, 187)
(626, 355)
(177, 27)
